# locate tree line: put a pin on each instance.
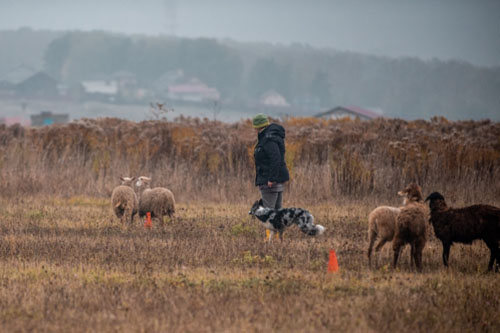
(402, 87)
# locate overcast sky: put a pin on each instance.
(467, 30)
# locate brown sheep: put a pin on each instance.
(382, 220)
(159, 201)
(124, 200)
(464, 225)
(411, 226)
(381, 225)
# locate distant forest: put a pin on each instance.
(404, 87)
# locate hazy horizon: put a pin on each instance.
(449, 29)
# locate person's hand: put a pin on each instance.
(270, 184)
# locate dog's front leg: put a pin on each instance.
(281, 235)
(271, 236)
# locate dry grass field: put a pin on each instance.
(66, 264)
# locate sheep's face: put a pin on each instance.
(143, 182)
(127, 181)
(412, 192)
(436, 201)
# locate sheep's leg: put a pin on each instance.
(372, 237)
(159, 217)
(493, 253)
(412, 255)
(280, 233)
(418, 259)
(497, 266)
(380, 244)
(128, 216)
(446, 253)
(396, 256)
(396, 246)
(123, 218)
(378, 247)
(419, 247)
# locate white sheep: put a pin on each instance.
(159, 201)
(124, 200)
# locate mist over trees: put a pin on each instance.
(82, 55)
(402, 87)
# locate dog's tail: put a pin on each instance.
(320, 229)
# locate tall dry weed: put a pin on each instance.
(210, 160)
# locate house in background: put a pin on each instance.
(128, 86)
(353, 112)
(159, 87)
(192, 91)
(38, 85)
(48, 118)
(28, 82)
(273, 99)
(9, 80)
(106, 90)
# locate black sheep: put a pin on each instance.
(464, 225)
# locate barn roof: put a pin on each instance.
(356, 110)
(18, 74)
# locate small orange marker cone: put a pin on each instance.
(147, 222)
(268, 234)
(333, 265)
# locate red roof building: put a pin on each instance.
(193, 91)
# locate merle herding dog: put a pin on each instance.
(277, 220)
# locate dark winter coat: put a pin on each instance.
(269, 155)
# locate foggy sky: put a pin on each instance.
(467, 30)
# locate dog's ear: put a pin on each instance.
(261, 203)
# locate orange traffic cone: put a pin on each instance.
(147, 222)
(333, 265)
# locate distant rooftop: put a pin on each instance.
(349, 110)
(18, 74)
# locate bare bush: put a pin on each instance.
(210, 160)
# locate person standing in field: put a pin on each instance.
(270, 166)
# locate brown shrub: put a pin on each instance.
(202, 159)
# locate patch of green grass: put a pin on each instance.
(245, 230)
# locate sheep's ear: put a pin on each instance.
(121, 178)
(132, 179)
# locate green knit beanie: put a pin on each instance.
(260, 120)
